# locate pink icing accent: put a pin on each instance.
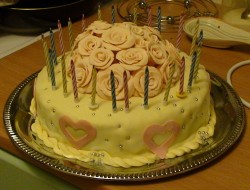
(160, 150)
(83, 125)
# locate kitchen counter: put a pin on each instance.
(230, 171)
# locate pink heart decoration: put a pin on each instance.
(160, 150)
(90, 131)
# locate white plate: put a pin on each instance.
(217, 33)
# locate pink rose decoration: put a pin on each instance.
(137, 30)
(83, 76)
(155, 82)
(173, 58)
(125, 24)
(157, 53)
(151, 34)
(88, 44)
(132, 59)
(172, 51)
(101, 58)
(165, 71)
(98, 27)
(79, 38)
(118, 38)
(103, 87)
(141, 43)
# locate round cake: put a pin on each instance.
(127, 100)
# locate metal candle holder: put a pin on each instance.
(193, 8)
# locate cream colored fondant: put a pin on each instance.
(119, 138)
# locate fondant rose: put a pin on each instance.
(132, 59)
(83, 75)
(98, 27)
(118, 38)
(172, 51)
(127, 25)
(137, 30)
(103, 86)
(165, 71)
(157, 53)
(141, 43)
(151, 34)
(79, 38)
(173, 58)
(101, 58)
(155, 82)
(88, 44)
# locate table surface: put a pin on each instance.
(230, 171)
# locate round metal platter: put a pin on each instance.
(229, 126)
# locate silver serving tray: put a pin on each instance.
(229, 127)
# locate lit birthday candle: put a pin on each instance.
(113, 14)
(149, 16)
(53, 47)
(194, 37)
(74, 82)
(71, 38)
(52, 70)
(125, 82)
(64, 79)
(199, 42)
(83, 23)
(113, 95)
(191, 74)
(168, 85)
(146, 83)
(45, 50)
(159, 19)
(180, 30)
(99, 13)
(93, 93)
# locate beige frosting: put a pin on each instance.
(122, 139)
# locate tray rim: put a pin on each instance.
(182, 167)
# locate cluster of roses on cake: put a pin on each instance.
(123, 47)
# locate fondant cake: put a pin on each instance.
(97, 123)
